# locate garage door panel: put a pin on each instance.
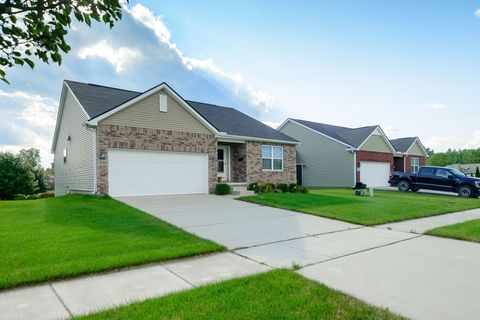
(136, 173)
(374, 174)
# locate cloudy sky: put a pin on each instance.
(411, 66)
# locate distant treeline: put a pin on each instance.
(453, 156)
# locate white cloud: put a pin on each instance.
(441, 144)
(436, 106)
(274, 125)
(258, 98)
(474, 141)
(118, 57)
(33, 125)
(38, 110)
(389, 130)
(477, 13)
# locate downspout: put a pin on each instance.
(354, 151)
(354, 167)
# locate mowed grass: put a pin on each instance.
(279, 294)
(383, 207)
(469, 230)
(77, 234)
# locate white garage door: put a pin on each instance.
(374, 174)
(142, 173)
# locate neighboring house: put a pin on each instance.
(468, 169)
(333, 156)
(411, 154)
(125, 143)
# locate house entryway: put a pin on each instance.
(223, 162)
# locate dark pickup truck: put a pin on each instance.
(437, 178)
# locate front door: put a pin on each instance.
(223, 162)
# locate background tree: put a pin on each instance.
(31, 159)
(50, 177)
(38, 27)
(477, 173)
(15, 177)
(462, 156)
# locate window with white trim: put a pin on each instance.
(272, 158)
(414, 165)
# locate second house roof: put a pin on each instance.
(351, 136)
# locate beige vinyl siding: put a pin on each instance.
(416, 150)
(76, 175)
(376, 143)
(146, 114)
(327, 163)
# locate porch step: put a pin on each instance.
(240, 189)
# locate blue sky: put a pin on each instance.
(411, 66)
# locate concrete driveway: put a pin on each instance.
(419, 276)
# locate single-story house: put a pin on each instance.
(126, 143)
(410, 155)
(334, 156)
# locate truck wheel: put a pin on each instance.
(403, 186)
(465, 192)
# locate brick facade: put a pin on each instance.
(408, 162)
(255, 173)
(124, 137)
(373, 157)
(246, 159)
(404, 164)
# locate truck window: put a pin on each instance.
(442, 173)
(426, 171)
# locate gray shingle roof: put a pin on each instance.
(402, 144)
(351, 136)
(236, 123)
(97, 99)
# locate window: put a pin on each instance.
(163, 103)
(443, 173)
(272, 158)
(65, 155)
(415, 164)
(426, 171)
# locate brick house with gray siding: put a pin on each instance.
(126, 143)
(410, 155)
(335, 156)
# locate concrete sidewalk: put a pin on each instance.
(424, 224)
(425, 278)
(62, 299)
(415, 275)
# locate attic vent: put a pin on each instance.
(163, 103)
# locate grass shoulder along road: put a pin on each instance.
(63, 237)
(383, 207)
(278, 294)
(469, 231)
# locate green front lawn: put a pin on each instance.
(469, 230)
(67, 236)
(385, 206)
(279, 294)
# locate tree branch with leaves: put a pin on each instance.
(38, 27)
